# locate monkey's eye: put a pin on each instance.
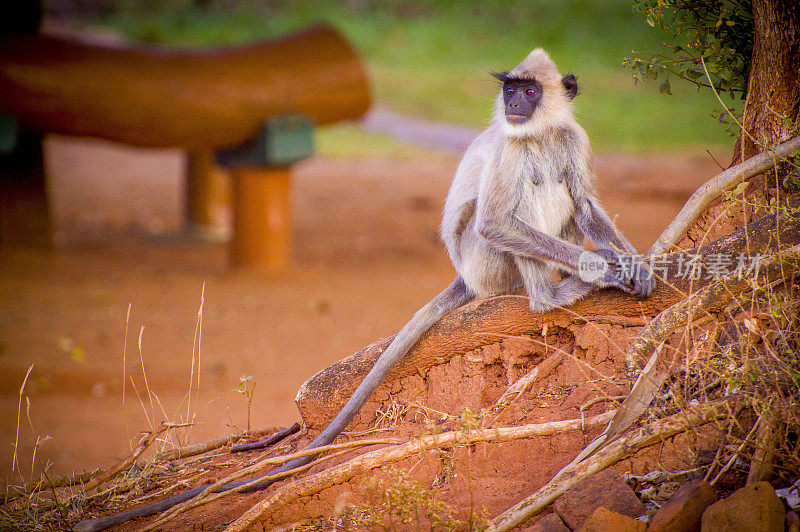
(530, 92)
(509, 91)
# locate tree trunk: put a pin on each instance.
(771, 113)
(773, 90)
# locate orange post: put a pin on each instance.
(207, 197)
(261, 217)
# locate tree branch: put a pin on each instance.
(374, 459)
(648, 435)
(648, 344)
(718, 185)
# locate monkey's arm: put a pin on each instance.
(496, 221)
(515, 236)
(596, 224)
(518, 238)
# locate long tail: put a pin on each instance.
(449, 299)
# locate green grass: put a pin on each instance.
(433, 59)
(347, 139)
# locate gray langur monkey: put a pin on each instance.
(519, 207)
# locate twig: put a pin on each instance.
(141, 447)
(604, 399)
(272, 440)
(347, 470)
(733, 457)
(279, 460)
(198, 448)
(14, 465)
(625, 321)
(151, 418)
(46, 483)
(718, 185)
(196, 347)
(648, 345)
(650, 434)
(124, 373)
(721, 446)
(540, 372)
(762, 461)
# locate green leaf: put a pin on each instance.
(664, 87)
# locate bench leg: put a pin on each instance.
(261, 217)
(207, 197)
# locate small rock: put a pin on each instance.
(604, 520)
(754, 508)
(606, 489)
(683, 512)
(548, 523)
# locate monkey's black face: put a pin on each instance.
(521, 97)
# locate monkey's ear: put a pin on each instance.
(570, 84)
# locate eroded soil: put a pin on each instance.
(366, 255)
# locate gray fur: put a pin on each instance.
(519, 206)
(532, 189)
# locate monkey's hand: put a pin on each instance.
(626, 272)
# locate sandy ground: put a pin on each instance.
(366, 255)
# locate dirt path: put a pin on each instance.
(366, 256)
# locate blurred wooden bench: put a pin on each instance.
(251, 108)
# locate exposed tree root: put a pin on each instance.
(101, 523)
(700, 305)
(717, 186)
(374, 459)
(203, 447)
(272, 440)
(621, 448)
(123, 464)
(208, 495)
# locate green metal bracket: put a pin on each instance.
(8, 133)
(281, 141)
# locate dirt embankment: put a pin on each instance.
(366, 255)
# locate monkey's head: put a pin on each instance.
(534, 96)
